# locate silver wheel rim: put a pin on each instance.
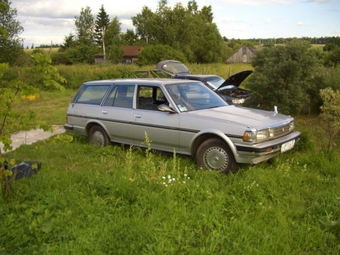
(216, 158)
(98, 138)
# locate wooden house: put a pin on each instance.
(99, 58)
(129, 57)
(131, 54)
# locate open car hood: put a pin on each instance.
(236, 79)
(172, 67)
(176, 68)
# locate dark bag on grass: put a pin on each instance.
(25, 169)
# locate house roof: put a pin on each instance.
(132, 51)
(99, 55)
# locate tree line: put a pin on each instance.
(186, 33)
(180, 31)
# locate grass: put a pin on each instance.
(50, 106)
(122, 200)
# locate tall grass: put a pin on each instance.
(77, 74)
(122, 200)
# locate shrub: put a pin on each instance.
(283, 76)
(156, 53)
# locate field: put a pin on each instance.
(45, 50)
(122, 200)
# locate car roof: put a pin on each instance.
(141, 81)
(197, 76)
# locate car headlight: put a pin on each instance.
(257, 135)
(291, 126)
(254, 135)
(238, 101)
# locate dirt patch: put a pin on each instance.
(32, 136)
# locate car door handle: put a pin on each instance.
(104, 112)
(138, 115)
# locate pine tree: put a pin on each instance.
(102, 22)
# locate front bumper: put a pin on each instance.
(68, 127)
(256, 153)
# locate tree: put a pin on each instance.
(85, 26)
(129, 37)
(330, 113)
(10, 29)
(206, 14)
(102, 22)
(186, 29)
(144, 23)
(69, 42)
(211, 48)
(4, 7)
(193, 7)
(285, 76)
(333, 57)
(114, 41)
(332, 44)
(79, 48)
(155, 53)
(11, 93)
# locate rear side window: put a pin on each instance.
(92, 94)
(121, 96)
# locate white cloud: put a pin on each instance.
(269, 21)
(51, 20)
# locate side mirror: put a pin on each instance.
(165, 108)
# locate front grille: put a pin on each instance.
(280, 131)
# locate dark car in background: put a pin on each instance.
(228, 89)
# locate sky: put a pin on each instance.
(50, 21)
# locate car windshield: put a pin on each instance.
(215, 82)
(194, 96)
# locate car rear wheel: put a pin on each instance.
(98, 136)
(214, 154)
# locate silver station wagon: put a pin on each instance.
(184, 116)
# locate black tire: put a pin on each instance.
(214, 154)
(98, 137)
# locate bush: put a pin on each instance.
(78, 74)
(286, 76)
(60, 58)
(156, 53)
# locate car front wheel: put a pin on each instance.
(214, 154)
(98, 136)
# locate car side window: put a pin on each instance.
(92, 94)
(150, 97)
(121, 96)
(109, 100)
